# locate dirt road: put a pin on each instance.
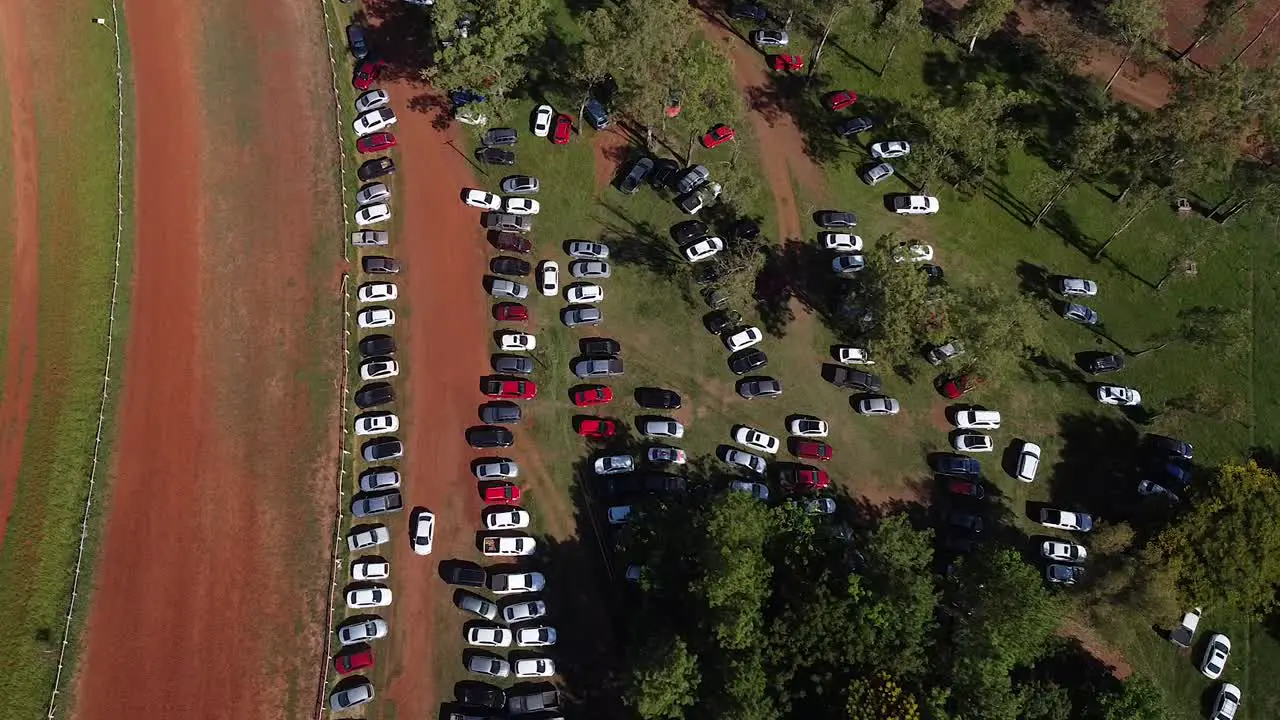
(212, 570)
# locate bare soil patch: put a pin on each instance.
(1090, 641)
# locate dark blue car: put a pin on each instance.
(957, 465)
(465, 97)
(596, 114)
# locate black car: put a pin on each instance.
(835, 219)
(958, 465)
(748, 11)
(489, 436)
(599, 346)
(853, 126)
(1102, 364)
(649, 483)
(514, 242)
(714, 299)
(664, 171)
(500, 413)
(379, 265)
(708, 274)
(657, 398)
(495, 156)
(752, 388)
(718, 321)
(386, 448)
(375, 394)
(744, 361)
(374, 345)
(376, 168)
(355, 40)
(639, 171)
(966, 521)
(499, 137)
(1171, 446)
(933, 273)
(855, 379)
(596, 114)
(688, 231)
(746, 230)
(511, 364)
(480, 694)
(503, 265)
(467, 574)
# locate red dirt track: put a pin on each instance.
(20, 352)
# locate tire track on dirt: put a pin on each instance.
(20, 352)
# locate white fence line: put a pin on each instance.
(337, 128)
(106, 369)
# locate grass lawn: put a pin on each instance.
(76, 128)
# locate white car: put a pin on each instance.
(489, 665)
(588, 250)
(850, 355)
(1028, 462)
(423, 532)
(890, 149)
(376, 423)
(842, 242)
(470, 116)
(978, 419)
(1077, 287)
(542, 116)
(377, 292)
(481, 199)
(916, 252)
(499, 470)
(662, 427)
(704, 249)
(377, 317)
(1215, 656)
(755, 463)
(524, 610)
(1227, 703)
(1063, 551)
(879, 405)
(372, 100)
(1116, 395)
(369, 597)
(373, 214)
(584, 293)
(743, 339)
(915, 204)
(379, 369)
(513, 340)
(759, 491)
(521, 206)
(618, 514)
(374, 120)
(369, 537)
(846, 264)
(1063, 520)
(820, 506)
(535, 668)
(808, 427)
(540, 636)
(509, 583)
(370, 569)
(489, 636)
(549, 278)
(372, 193)
(972, 442)
(753, 438)
(515, 519)
(614, 464)
(666, 454)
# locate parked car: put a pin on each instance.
(756, 439)
(366, 74)
(504, 265)
(875, 174)
(489, 665)
(370, 238)
(808, 427)
(878, 405)
(382, 503)
(422, 531)
(508, 388)
(664, 170)
(506, 519)
(373, 214)
(850, 355)
(370, 568)
(835, 219)
(501, 494)
(759, 491)
(489, 636)
(368, 597)
(562, 129)
(350, 662)
(840, 100)
(498, 137)
(915, 204)
(657, 398)
(596, 114)
(848, 264)
(977, 419)
(486, 436)
(597, 429)
(661, 427)
(581, 315)
(518, 341)
(592, 395)
(374, 121)
(1067, 552)
(1117, 395)
(480, 694)
(851, 379)
(477, 606)
(481, 199)
(1063, 520)
(351, 696)
(597, 367)
(379, 369)
(972, 442)
(382, 449)
(640, 170)
(523, 611)
(1104, 364)
(1028, 462)
(375, 345)
(377, 142)
(381, 478)
(664, 454)
(717, 136)
(1170, 446)
(957, 465)
(914, 252)
(965, 521)
(890, 149)
(367, 536)
(703, 249)
(376, 423)
(614, 464)
(805, 478)
(1077, 287)
(373, 292)
(692, 179)
(966, 488)
(748, 11)
(743, 338)
(938, 354)
(744, 361)
(357, 43)
(378, 265)
(752, 388)
(495, 156)
(1080, 313)
(588, 250)
(840, 242)
(359, 631)
(501, 412)
(853, 126)
(589, 269)
(521, 206)
(376, 317)
(769, 38)
(510, 312)
(372, 100)
(1063, 574)
(539, 636)
(1226, 703)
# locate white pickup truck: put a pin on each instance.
(494, 545)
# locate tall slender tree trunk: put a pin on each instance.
(1234, 209)
(1057, 195)
(1221, 204)
(1262, 30)
(888, 57)
(1128, 54)
(973, 41)
(817, 54)
(1194, 44)
(1144, 351)
(1124, 226)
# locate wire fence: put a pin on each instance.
(337, 127)
(106, 371)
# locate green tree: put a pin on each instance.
(899, 20)
(1211, 327)
(896, 597)
(981, 18)
(1140, 199)
(968, 137)
(1091, 150)
(1218, 14)
(1045, 701)
(1137, 699)
(735, 580)
(880, 697)
(896, 294)
(1138, 25)
(664, 680)
(1226, 548)
(825, 13)
(999, 330)
(702, 80)
(736, 268)
(492, 58)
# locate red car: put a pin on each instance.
(787, 63)
(509, 389)
(510, 312)
(719, 135)
(376, 142)
(367, 74)
(956, 387)
(502, 494)
(562, 129)
(598, 429)
(812, 450)
(841, 100)
(808, 478)
(966, 488)
(352, 662)
(592, 395)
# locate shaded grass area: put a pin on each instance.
(77, 228)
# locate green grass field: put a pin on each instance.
(77, 227)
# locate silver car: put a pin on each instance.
(351, 697)
(877, 173)
(478, 606)
(769, 38)
(614, 464)
(879, 405)
(589, 269)
(489, 665)
(524, 610)
(369, 238)
(362, 631)
(371, 536)
(507, 221)
(579, 315)
(501, 288)
(597, 367)
(520, 185)
(379, 479)
(588, 250)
